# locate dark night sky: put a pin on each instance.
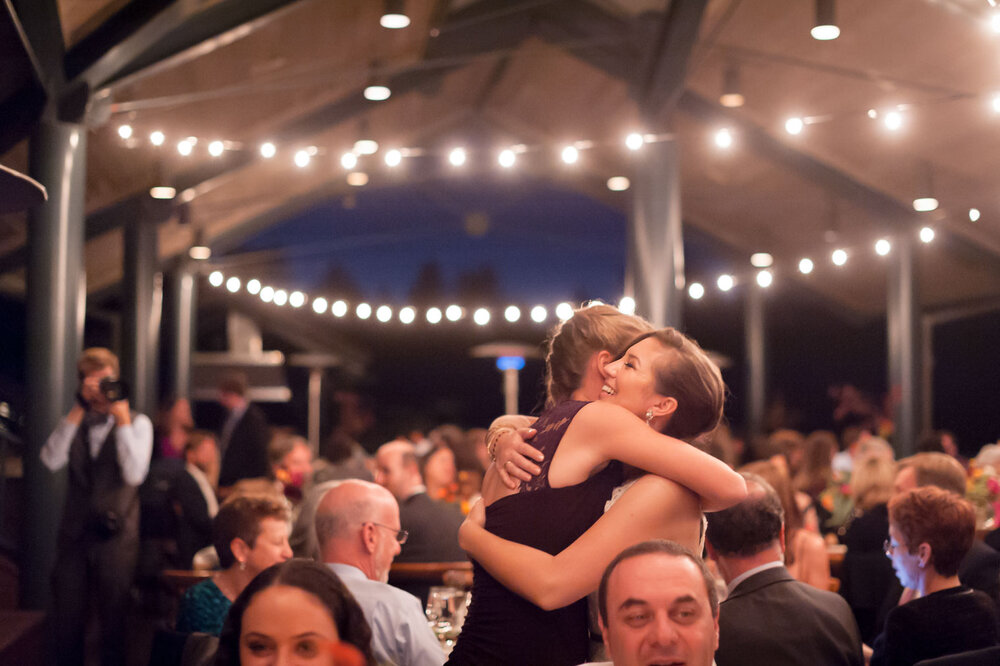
(545, 244)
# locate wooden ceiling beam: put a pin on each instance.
(147, 37)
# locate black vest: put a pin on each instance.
(100, 505)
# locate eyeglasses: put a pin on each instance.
(401, 535)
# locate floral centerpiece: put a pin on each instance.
(983, 487)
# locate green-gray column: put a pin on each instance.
(755, 340)
(56, 301)
(655, 243)
(180, 327)
(902, 319)
(143, 307)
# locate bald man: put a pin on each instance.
(359, 534)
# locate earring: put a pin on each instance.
(243, 565)
(649, 416)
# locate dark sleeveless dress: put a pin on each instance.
(502, 628)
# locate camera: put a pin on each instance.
(113, 390)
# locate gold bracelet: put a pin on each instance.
(491, 440)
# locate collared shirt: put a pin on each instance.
(400, 633)
(205, 486)
(746, 574)
(134, 444)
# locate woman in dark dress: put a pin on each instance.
(930, 531)
(579, 441)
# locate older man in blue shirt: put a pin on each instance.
(359, 534)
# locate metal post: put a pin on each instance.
(143, 299)
(181, 328)
(315, 408)
(656, 245)
(904, 346)
(755, 337)
(54, 329)
(510, 390)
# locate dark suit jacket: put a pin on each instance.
(771, 618)
(246, 454)
(433, 528)
(194, 525)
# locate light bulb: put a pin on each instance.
(364, 311)
(570, 155)
(302, 159)
(507, 158)
(627, 305)
(233, 284)
(794, 125)
(215, 278)
(216, 148)
(806, 266)
(407, 315)
(339, 308)
(125, 131)
(348, 161)
(634, 141)
(973, 215)
(384, 313)
(297, 299)
(512, 313)
(377, 93)
(157, 138)
(280, 297)
(618, 183)
(267, 294)
(723, 138)
(765, 278)
(319, 305)
(453, 313)
(457, 157)
(393, 157)
(882, 247)
(253, 287)
(433, 315)
(564, 311)
(696, 290)
(839, 257)
(268, 150)
(926, 234)
(725, 282)
(481, 316)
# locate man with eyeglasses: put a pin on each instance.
(359, 534)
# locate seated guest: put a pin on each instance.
(291, 463)
(930, 530)
(440, 474)
(250, 533)
(194, 495)
(658, 604)
(980, 568)
(769, 617)
(295, 609)
(805, 552)
(358, 530)
(866, 576)
(432, 526)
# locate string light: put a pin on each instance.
(366, 146)
(157, 138)
(384, 313)
(216, 148)
(302, 159)
(453, 312)
(882, 247)
(407, 315)
(215, 278)
(185, 147)
(926, 234)
(723, 138)
(233, 284)
(433, 315)
(634, 141)
(297, 299)
(696, 290)
(363, 311)
(806, 266)
(393, 157)
(125, 131)
(280, 297)
(564, 311)
(627, 305)
(339, 308)
(512, 313)
(726, 282)
(268, 150)
(539, 314)
(765, 278)
(973, 215)
(794, 125)
(457, 157)
(253, 287)
(481, 316)
(507, 158)
(839, 257)
(893, 120)
(348, 161)
(570, 154)
(319, 305)
(267, 294)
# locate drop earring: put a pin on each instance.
(649, 417)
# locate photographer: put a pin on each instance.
(107, 449)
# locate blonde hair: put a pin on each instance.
(94, 359)
(871, 481)
(575, 340)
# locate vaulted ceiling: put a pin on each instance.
(493, 73)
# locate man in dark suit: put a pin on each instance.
(433, 525)
(244, 437)
(194, 496)
(769, 617)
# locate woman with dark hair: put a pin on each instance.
(250, 533)
(930, 531)
(538, 547)
(297, 608)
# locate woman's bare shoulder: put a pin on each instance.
(652, 486)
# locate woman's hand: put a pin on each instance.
(476, 520)
(514, 456)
